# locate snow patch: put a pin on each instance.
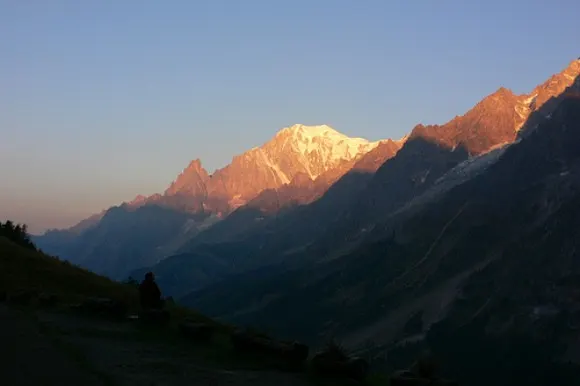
(274, 167)
(339, 146)
(473, 165)
(236, 202)
(528, 101)
(523, 110)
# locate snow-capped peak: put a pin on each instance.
(321, 147)
(342, 147)
(316, 130)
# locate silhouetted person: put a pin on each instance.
(149, 293)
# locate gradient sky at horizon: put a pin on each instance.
(104, 100)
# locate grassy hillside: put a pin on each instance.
(27, 269)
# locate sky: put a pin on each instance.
(101, 100)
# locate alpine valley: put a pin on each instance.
(460, 237)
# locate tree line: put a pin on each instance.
(17, 233)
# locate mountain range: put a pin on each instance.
(432, 160)
(469, 227)
(294, 168)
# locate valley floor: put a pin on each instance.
(52, 348)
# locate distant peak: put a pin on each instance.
(501, 95)
(297, 126)
(306, 133)
(504, 91)
(573, 68)
(195, 168)
(191, 180)
(137, 201)
(195, 164)
(315, 130)
(317, 148)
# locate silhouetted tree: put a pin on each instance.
(17, 233)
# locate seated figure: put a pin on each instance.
(149, 294)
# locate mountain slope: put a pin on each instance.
(23, 268)
(126, 236)
(57, 240)
(493, 122)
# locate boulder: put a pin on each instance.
(198, 332)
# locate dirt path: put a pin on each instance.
(49, 348)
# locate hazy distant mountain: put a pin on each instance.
(57, 241)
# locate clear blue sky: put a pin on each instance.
(103, 99)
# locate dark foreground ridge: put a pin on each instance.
(62, 325)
